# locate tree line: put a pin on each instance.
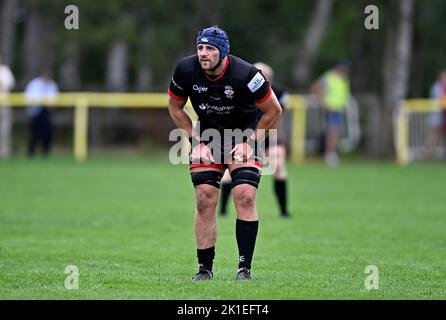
(133, 45)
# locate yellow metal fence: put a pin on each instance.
(82, 101)
(402, 134)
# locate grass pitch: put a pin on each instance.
(127, 224)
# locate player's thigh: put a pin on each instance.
(206, 181)
(245, 181)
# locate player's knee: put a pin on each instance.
(245, 175)
(206, 198)
(244, 196)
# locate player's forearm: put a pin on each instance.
(181, 119)
(271, 115)
(269, 121)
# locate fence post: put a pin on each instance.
(81, 129)
(298, 129)
(402, 143)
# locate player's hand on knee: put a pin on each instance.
(208, 157)
(202, 153)
(242, 152)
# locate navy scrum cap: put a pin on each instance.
(216, 37)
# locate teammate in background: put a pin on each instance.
(333, 90)
(438, 117)
(224, 91)
(276, 153)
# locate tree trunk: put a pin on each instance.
(69, 76)
(360, 75)
(34, 58)
(116, 81)
(369, 121)
(145, 78)
(418, 73)
(7, 35)
(396, 68)
(313, 38)
(7, 30)
(117, 66)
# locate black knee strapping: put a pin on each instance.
(212, 178)
(247, 175)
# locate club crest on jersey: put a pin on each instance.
(229, 92)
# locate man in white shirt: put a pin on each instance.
(40, 88)
(7, 82)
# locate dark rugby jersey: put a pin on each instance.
(226, 102)
(281, 95)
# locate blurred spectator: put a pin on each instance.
(333, 90)
(41, 127)
(438, 117)
(7, 82)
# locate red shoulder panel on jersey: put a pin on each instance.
(174, 96)
(265, 97)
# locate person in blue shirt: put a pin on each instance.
(41, 127)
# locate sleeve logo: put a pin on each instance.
(256, 82)
(176, 85)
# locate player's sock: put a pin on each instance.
(246, 234)
(206, 257)
(280, 189)
(225, 192)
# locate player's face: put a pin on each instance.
(208, 56)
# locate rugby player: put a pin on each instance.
(225, 92)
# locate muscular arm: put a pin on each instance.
(180, 116)
(270, 120)
(271, 115)
(183, 121)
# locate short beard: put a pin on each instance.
(209, 68)
(214, 68)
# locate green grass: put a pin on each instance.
(127, 224)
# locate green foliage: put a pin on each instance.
(159, 32)
(430, 45)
